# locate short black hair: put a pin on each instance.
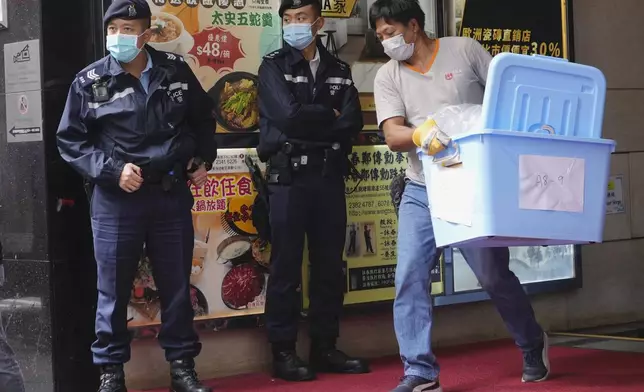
(400, 11)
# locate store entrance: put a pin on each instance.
(71, 39)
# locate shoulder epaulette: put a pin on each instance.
(275, 54)
(173, 57)
(91, 73)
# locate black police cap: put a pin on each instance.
(127, 9)
(295, 4)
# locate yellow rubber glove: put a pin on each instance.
(425, 136)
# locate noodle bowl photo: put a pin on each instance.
(166, 31)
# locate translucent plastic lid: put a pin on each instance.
(545, 95)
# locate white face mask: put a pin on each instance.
(397, 49)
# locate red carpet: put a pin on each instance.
(487, 367)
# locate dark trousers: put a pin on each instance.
(313, 206)
(122, 224)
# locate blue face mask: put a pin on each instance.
(298, 35)
(123, 47)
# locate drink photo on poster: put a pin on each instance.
(224, 42)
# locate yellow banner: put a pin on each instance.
(337, 8)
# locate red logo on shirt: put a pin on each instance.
(449, 76)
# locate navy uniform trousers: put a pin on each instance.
(313, 206)
(122, 223)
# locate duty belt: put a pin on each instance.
(167, 180)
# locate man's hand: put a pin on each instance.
(131, 178)
(199, 176)
(337, 113)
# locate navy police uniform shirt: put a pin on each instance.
(110, 120)
(295, 106)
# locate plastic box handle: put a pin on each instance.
(549, 57)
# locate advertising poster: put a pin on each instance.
(223, 41)
(229, 265)
(615, 196)
(372, 230)
(536, 27)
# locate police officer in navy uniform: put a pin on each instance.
(138, 126)
(309, 115)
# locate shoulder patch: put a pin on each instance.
(91, 74)
(174, 57)
(343, 65)
(274, 54)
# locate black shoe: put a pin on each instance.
(536, 366)
(112, 379)
(332, 360)
(288, 366)
(417, 384)
(184, 378)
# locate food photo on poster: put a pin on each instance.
(224, 42)
(230, 262)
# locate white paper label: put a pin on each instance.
(451, 194)
(615, 196)
(551, 183)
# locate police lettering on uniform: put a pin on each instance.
(138, 126)
(309, 114)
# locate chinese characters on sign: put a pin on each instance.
(510, 26)
(217, 48)
(218, 188)
(517, 41)
(254, 19)
(337, 8)
(615, 196)
(372, 277)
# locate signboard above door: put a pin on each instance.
(337, 8)
(537, 27)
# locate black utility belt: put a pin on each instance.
(328, 163)
(167, 179)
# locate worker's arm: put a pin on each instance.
(398, 135)
(390, 110)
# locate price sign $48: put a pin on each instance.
(209, 48)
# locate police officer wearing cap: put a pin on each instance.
(138, 126)
(309, 115)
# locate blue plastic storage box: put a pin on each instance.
(538, 173)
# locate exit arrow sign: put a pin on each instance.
(24, 131)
